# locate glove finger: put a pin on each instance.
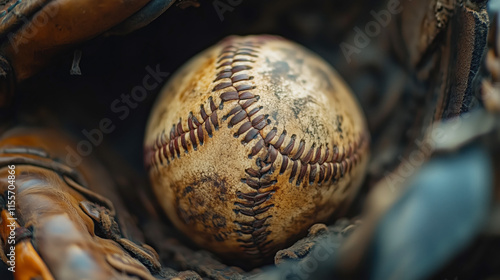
(20, 252)
(74, 230)
(34, 32)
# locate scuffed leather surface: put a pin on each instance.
(72, 221)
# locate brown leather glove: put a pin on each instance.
(33, 32)
(59, 222)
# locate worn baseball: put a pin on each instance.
(253, 141)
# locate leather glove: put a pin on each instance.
(34, 32)
(64, 222)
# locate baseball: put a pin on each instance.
(253, 141)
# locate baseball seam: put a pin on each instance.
(253, 233)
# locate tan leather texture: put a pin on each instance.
(253, 141)
(73, 215)
(25, 255)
